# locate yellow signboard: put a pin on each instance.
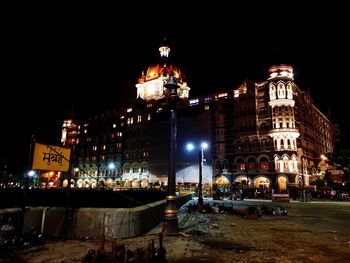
(52, 158)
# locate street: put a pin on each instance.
(311, 232)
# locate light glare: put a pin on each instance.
(190, 146)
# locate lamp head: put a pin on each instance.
(172, 85)
(204, 145)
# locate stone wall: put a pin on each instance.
(93, 222)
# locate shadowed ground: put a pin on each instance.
(311, 232)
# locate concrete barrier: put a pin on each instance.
(94, 222)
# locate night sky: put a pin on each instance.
(90, 57)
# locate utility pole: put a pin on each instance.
(200, 190)
(170, 212)
(25, 190)
(67, 218)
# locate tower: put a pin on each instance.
(283, 132)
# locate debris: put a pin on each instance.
(196, 232)
(275, 211)
(89, 257)
(248, 211)
(183, 234)
(215, 209)
(121, 253)
(160, 253)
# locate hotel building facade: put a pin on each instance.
(268, 134)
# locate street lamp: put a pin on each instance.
(202, 147)
(111, 166)
(170, 212)
(31, 174)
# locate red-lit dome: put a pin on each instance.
(157, 70)
(279, 68)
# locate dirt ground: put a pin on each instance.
(311, 232)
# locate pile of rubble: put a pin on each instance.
(120, 253)
(251, 212)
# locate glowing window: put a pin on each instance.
(194, 102)
(222, 95)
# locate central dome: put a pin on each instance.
(157, 70)
(151, 86)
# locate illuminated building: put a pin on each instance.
(264, 135)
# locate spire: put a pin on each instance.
(164, 49)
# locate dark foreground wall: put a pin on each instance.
(78, 198)
(92, 222)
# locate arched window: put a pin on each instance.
(277, 163)
(241, 164)
(263, 164)
(289, 91)
(218, 165)
(272, 92)
(251, 163)
(281, 91)
(224, 164)
(285, 163)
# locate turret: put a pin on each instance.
(283, 132)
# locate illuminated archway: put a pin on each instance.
(65, 183)
(282, 183)
(127, 184)
(262, 181)
(93, 183)
(222, 180)
(87, 184)
(80, 183)
(109, 183)
(243, 179)
(144, 183)
(135, 183)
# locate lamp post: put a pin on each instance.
(31, 175)
(202, 147)
(170, 212)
